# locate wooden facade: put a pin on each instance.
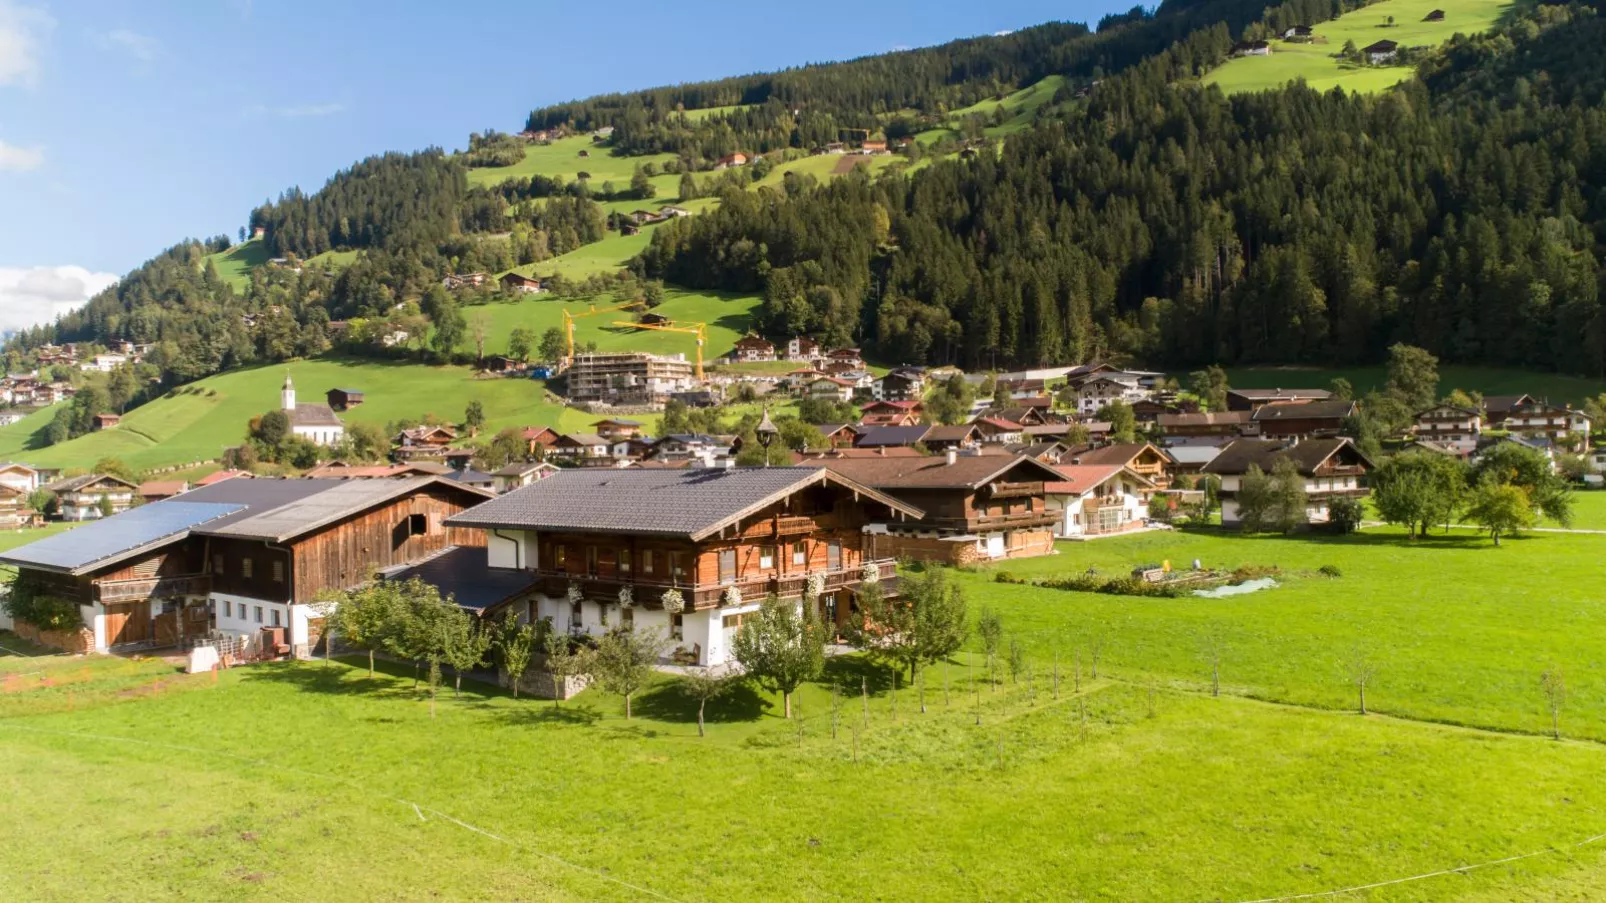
(406, 530)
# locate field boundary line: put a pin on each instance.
(417, 807)
(1459, 870)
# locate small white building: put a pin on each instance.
(1097, 499)
(317, 423)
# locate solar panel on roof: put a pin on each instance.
(102, 539)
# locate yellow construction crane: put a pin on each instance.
(568, 325)
(700, 330)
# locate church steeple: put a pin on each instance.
(287, 395)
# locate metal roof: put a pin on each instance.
(463, 574)
(338, 499)
(692, 503)
(108, 540)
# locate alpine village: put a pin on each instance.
(1158, 459)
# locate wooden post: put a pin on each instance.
(864, 695)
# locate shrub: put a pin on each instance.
(1330, 570)
(27, 602)
(1005, 577)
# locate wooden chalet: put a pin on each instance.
(977, 507)
(892, 413)
(538, 439)
(1307, 420)
(514, 283)
(1212, 423)
(247, 558)
(92, 496)
(687, 551)
(104, 422)
(424, 441)
(840, 435)
(1146, 460)
(1331, 468)
(343, 399)
(1250, 399)
(960, 436)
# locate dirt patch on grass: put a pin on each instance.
(845, 164)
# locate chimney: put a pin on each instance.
(952, 456)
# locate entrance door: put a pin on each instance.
(128, 623)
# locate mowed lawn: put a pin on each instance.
(1317, 65)
(1558, 388)
(197, 421)
(727, 316)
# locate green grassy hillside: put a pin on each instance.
(728, 318)
(235, 264)
(1315, 62)
(1021, 107)
(562, 158)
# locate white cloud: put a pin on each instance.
(22, 28)
(20, 159)
(143, 48)
(298, 111)
(34, 295)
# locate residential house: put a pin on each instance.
(92, 496)
(975, 507)
(1191, 459)
(104, 363)
(1214, 423)
(157, 490)
(892, 413)
(317, 423)
(1331, 468)
(730, 160)
(19, 476)
(582, 449)
(246, 558)
(900, 384)
(802, 348)
(830, 388)
(515, 283)
(465, 280)
(1250, 399)
(961, 436)
(698, 448)
(1097, 499)
(537, 439)
(617, 428)
(688, 552)
(104, 421)
(1449, 425)
(343, 399)
(751, 348)
(848, 356)
(1307, 420)
(1146, 460)
(1251, 48)
(889, 436)
(1297, 32)
(629, 377)
(1381, 52)
(1025, 415)
(1540, 421)
(873, 147)
(799, 379)
(426, 441)
(1094, 394)
(478, 479)
(1000, 431)
(840, 435)
(14, 511)
(520, 474)
(1028, 387)
(863, 381)
(669, 210)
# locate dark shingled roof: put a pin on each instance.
(966, 472)
(73, 484)
(309, 414)
(464, 574)
(692, 503)
(1120, 453)
(1307, 456)
(873, 436)
(1213, 418)
(1313, 410)
(956, 433)
(1281, 394)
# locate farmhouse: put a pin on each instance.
(1451, 426)
(729, 160)
(961, 436)
(976, 507)
(802, 348)
(670, 210)
(89, 496)
(1315, 418)
(751, 348)
(892, 413)
(1148, 461)
(1331, 468)
(104, 422)
(520, 474)
(1297, 32)
(14, 510)
(1251, 48)
(465, 280)
(1539, 421)
(582, 449)
(424, 441)
(1095, 393)
(1097, 499)
(1224, 423)
(343, 399)
(538, 438)
(998, 430)
(686, 551)
(317, 423)
(1250, 399)
(515, 283)
(1381, 51)
(900, 384)
(17, 476)
(831, 388)
(245, 557)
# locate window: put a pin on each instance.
(833, 555)
(646, 561)
(627, 617)
(727, 565)
(258, 614)
(676, 627)
(800, 555)
(591, 559)
(560, 556)
(677, 564)
(417, 524)
(245, 570)
(624, 561)
(217, 564)
(766, 557)
(278, 572)
(228, 609)
(275, 614)
(577, 611)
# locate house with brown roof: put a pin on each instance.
(831, 388)
(1145, 459)
(104, 421)
(730, 160)
(89, 497)
(1212, 423)
(157, 490)
(976, 507)
(539, 438)
(583, 449)
(1097, 499)
(516, 283)
(802, 348)
(959, 436)
(840, 435)
(1307, 420)
(424, 441)
(1250, 399)
(999, 430)
(689, 552)
(752, 348)
(892, 413)
(1331, 468)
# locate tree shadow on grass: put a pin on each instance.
(670, 702)
(853, 672)
(539, 712)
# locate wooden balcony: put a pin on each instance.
(787, 525)
(605, 589)
(153, 588)
(983, 523)
(1016, 490)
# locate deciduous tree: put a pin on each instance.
(781, 648)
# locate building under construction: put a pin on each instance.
(628, 378)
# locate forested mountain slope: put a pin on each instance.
(1170, 223)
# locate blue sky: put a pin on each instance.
(126, 125)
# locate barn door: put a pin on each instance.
(128, 623)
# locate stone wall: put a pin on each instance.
(542, 685)
(72, 642)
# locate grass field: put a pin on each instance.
(728, 318)
(1488, 380)
(196, 422)
(1315, 62)
(1021, 107)
(1159, 792)
(562, 158)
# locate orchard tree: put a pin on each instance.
(1528, 469)
(464, 644)
(1500, 508)
(705, 685)
(623, 661)
(925, 623)
(515, 644)
(1416, 489)
(780, 648)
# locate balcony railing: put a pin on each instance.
(992, 521)
(154, 587)
(647, 591)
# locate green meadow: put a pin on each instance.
(727, 316)
(1315, 62)
(1556, 387)
(1019, 106)
(1136, 785)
